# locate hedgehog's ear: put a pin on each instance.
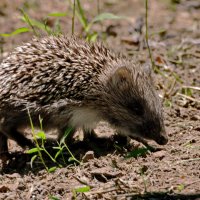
(121, 78)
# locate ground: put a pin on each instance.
(171, 172)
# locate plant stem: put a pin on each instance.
(26, 17)
(51, 156)
(71, 153)
(36, 141)
(98, 7)
(73, 17)
(146, 24)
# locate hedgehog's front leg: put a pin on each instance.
(89, 134)
(9, 129)
(4, 155)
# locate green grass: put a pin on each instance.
(40, 149)
(79, 12)
(40, 28)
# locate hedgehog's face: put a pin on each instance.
(133, 107)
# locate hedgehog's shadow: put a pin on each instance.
(21, 162)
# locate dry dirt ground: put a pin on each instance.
(172, 172)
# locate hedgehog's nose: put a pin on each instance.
(162, 140)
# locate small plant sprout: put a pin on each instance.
(40, 148)
(40, 139)
(63, 145)
(15, 32)
(80, 190)
(180, 187)
(138, 152)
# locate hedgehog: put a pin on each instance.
(69, 82)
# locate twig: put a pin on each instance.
(118, 181)
(192, 183)
(170, 91)
(188, 160)
(187, 97)
(191, 87)
(121, 185)
(83, 181)
(101, 191)
(146, 24)
(126, 195)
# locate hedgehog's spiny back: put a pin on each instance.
(50, 69)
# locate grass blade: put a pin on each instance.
(82, 17)
(28, 21)
(15, 32)
(83, 189)
(34, 150)
(102, 17)
(32, 160)
(57, 14)
(106, 16)
(38, 24)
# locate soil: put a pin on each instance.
(169, 172)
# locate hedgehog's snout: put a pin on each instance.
(162, 139)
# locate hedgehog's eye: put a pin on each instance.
(136, 108)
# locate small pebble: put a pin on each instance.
(88, 156)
